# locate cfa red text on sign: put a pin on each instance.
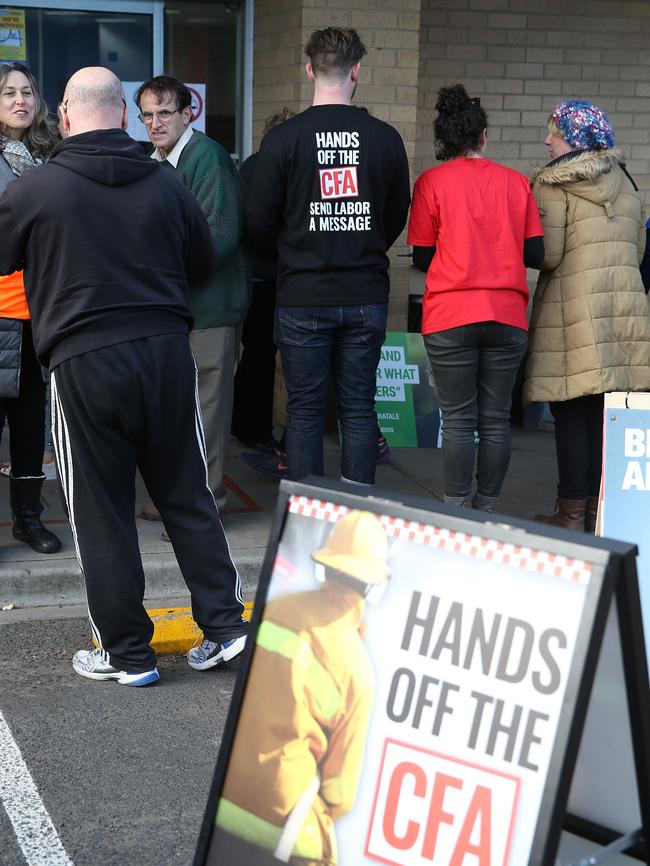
(436, 810)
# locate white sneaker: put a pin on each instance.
(94, 665)
(211, 654)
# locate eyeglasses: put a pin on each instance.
(164, 115)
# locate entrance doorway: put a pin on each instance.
(64, 36)
(203, 43)
(197, 42)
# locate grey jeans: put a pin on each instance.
(474, 369)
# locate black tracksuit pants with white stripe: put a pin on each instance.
(115, 409)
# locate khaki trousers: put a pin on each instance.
(216, 352)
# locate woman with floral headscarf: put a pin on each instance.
(590, 326)
(26, 138)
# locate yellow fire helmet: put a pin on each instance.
(357, 546)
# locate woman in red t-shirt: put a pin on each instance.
(474, 227)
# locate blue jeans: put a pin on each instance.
(345, 342)
(474, 369)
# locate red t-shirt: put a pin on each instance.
(477, 214)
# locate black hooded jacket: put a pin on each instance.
(109, 242)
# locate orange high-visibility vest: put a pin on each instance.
(13, 303)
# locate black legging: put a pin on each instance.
(25, 414)
(579, 445)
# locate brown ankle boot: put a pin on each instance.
(569, 514)
(591, 513)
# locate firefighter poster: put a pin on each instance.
(13, 44)
(405, 401)
(411, 691)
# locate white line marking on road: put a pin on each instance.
(32, 825)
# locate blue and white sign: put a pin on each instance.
(625, 511)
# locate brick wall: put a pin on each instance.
(277, 59)
(520, 56)
(390, 30)
(523, 56)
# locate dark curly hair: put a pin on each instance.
(161, 86)
(276, 119)
(460, 121)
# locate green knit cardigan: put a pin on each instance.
(207, 170)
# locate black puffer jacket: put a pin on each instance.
(11, 330)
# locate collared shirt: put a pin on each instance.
(175, 153)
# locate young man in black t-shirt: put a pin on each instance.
(331, 194)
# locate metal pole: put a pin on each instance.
(616, 847)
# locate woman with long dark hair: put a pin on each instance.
(474, 227)
(26, 138)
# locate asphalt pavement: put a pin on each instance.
(123, 773)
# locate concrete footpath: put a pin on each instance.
(29, 581)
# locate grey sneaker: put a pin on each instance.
(94, 665)
(211, 654)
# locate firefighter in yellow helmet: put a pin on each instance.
(297, 756)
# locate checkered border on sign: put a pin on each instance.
(501, 552)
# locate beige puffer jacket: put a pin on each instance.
(590, 325)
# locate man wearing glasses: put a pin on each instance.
(219, 302)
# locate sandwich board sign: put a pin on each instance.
(415, 687)
(624, 514)
(625, 509)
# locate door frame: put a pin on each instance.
(155, 8)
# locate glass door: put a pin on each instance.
(62, 36)
(206, 43)
(203, 44)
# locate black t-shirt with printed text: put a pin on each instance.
(331, 189)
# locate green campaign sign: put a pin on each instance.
(406, 405)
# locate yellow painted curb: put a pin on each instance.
(174, 630)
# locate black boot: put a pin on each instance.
(26, 510)
(591, 514)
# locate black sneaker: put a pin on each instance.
(383, 451)
(274, 465)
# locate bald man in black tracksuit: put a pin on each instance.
(108, 242)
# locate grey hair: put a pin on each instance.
(108, 95)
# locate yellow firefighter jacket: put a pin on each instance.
(305, 713)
